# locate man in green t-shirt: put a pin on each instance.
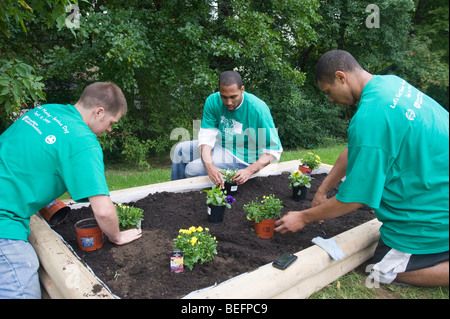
(237, 132)
(397, 162)
(52, 149)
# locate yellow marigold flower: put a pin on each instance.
(193, 240)
(199, 229)
(207, 229)
(192, 229)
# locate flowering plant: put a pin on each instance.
(268, 208)
(129, 216)
(196, 244)
(311, 160)
(218, 197)
(299, 179)
(228, 174)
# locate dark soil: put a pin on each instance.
(141, 269)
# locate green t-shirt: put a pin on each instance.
(247, 131)
(398, 164)
(46, 152)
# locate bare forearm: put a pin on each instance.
(106, 216)
(262, 162)
(294, 221)
(214, 173)
(332, 208)
(243, 175)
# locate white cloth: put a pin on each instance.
(386, 270)
(330, 246)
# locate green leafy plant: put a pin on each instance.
(218, 197)
(196, 244)
(299, 179)
(129, 216)
(267, 208)
(228, 174)
(311, 160)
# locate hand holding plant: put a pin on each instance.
(196, 244)
(129, 216)
(268, 208)
(228, 174)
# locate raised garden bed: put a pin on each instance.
(141, 269)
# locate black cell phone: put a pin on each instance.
(284, 261)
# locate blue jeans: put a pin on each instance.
(187, 162)
(19, 264)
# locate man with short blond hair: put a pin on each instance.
(52, 149)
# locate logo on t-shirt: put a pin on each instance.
(50, 139)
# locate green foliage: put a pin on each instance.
(129, 216)
(19, 88)
(228, 174)
(167, 55)
(299, 179)
(196, 244)
(311, 160)
(267, 208)
(218, 197)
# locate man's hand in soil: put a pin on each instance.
(290, 223)
(106, 216)
(127, 236)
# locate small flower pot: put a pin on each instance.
(55, 212)
(215, 213)
(89, 234)
(299, 197)
(231, 188)
(264, 229)
(305, 170)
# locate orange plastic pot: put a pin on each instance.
(264, 229)
(305, 170)
(55, 212)
(89, 234)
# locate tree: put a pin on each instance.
(167, 56)
(20, 85)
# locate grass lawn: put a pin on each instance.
(350, 286)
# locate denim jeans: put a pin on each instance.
(187, 162)
(19, 264)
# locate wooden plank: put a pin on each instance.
(51, 291)
(311, 268)
(307, 286)
(69, 275)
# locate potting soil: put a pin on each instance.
(141, 269)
